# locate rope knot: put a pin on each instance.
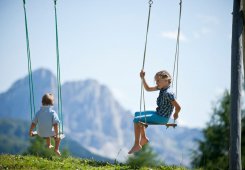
(150, 2)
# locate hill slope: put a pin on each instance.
(14, 139)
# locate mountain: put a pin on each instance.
(15, 102)
(94, 119)
(174, 144)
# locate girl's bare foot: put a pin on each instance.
(144, 141)
(50, 146)
(135, 148)
(57, 152)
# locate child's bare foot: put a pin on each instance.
(135, 148)
(144, 141)
(50, 146)
(57, 152)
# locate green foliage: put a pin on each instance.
(38, 148)
(213, 151)
(33, 162)
(12, 139)
(145, 157)
(65, 153)
(77, 150)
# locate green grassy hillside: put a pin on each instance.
(32, 162)
(14, 139)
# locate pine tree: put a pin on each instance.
(213, 150)
(38, 148)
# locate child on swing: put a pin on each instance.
(166, 103)
(48, 122)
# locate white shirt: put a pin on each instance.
(45, 118)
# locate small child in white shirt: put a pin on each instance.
(48, 122)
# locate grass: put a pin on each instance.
(33, 162)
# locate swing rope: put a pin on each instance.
(176, 58)
(31, 84)
(142, 93)
(61, 129)
(30, 79)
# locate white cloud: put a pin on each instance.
(173, 35)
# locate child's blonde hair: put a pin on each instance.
(164, 75)
(48, 99)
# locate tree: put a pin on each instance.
(213, 150)
(38, 147)
(145, 157)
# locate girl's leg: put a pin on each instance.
(136, 134)
(137, 145)
(152, 117)
(57, 145)
(144, 140)
(145, 116)
(139, 131)
(48, 142)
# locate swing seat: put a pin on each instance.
(34, 133)
(61, 135)
(165, 124)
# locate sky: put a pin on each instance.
(104, 40)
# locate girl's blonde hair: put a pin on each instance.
(48, 99)
(164, 75)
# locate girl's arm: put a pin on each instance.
(177, 109)
(146, 86)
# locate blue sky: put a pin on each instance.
(104, 40)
